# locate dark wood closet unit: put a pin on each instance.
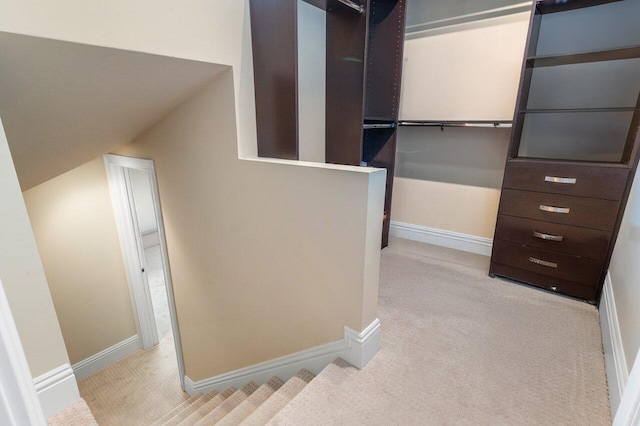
(364, 72)
(365, 42)
(574, 147)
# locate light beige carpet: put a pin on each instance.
(460, 348)
(136, 390)
(77, 414)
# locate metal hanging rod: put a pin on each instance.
(353, 5)
(379, 126)
(443, 124)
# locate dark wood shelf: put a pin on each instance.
(372, 126)
(630, 52)
(553, 6)
(568, 162)
(578, 110)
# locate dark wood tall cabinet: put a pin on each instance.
(574, 147)
(364, 72)
(365, 40)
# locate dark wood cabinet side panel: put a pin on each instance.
(556, 285)
(346, 39)
(585, 212)
(386, 158)
(275, 56)
(387, 19)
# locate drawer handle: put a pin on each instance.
(551, 209)
(554, 179)
(543, 262)
(547, 237)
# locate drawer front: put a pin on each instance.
(584, 242)
(564, 209)
(546, 262)
(569, 179)
(543, 281)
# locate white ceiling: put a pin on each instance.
(63, 104)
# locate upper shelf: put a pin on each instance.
(553, 6)
(632, 52)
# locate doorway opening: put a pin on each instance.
(136, 204)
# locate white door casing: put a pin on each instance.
(132, 248)
(19, 403)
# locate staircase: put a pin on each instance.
(251, 405)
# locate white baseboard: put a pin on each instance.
(57, 390)
(441, 237)
(106, 357)
(614, 357)
(357, 348)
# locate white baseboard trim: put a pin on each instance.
(357, 348)
(106, 357)
(441, 237)
(57, 390)
(614, 357)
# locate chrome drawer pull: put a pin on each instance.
(550, 209)
(547, 237)
(543, 262)
(554, 179)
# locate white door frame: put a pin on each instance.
(628, 413)
(19, 403)
(120, 186)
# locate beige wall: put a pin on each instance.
(459, 208)
(625, 276)
(75, 229)
(467, 72)
(272, 257)
(267, 258)
(23, 276)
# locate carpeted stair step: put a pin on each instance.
(250, 404)
(177, 409)
(209, 406)
(279, 399)
(183, 414)
(323, 386)
(228, 405)
(77, 413)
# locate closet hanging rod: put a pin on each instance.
(379, 126)
(353, 5)
(443, 124)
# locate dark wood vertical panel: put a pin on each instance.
(384, 59)
(346, 39)
(274, 27)
(385, 157)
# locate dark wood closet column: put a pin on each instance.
(365, 40)
(364, 71)
(274, 34)
(574, 148)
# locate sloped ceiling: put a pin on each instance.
(63, 104)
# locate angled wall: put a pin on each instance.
(23, 275)
(268, 258)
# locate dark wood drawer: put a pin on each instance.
(577, 211)
(543, 281)
(590, 181)
(584, 242)
(546, 262)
